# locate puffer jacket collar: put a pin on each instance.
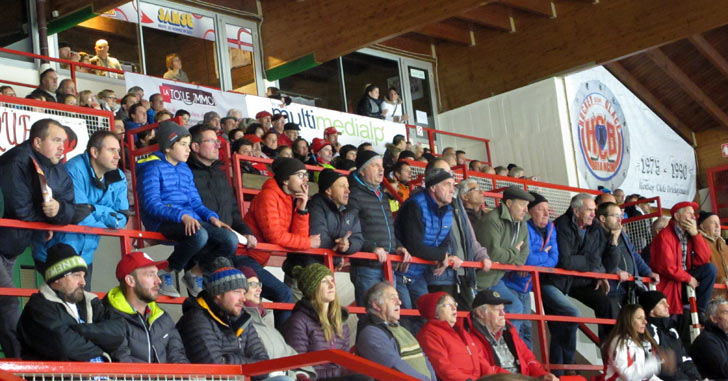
(206, 303)
(52, 296)
(117, 300)
(272, 185)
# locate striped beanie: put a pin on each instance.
(224, 278)
(62, 259)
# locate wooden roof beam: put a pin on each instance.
(710, 53)
(650, 99)
(687, 85)
(539, 7)
(448, 32)
(491, 16)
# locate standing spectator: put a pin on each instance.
(392, 103)
(452, 350)
(369, 104)
(680, 255)
(103, 59)
(151, 336)
(24, 200)
(449, 155)
(127, 101)
(331, 135)
(380, 337)
(665, 334)
(398, 142)
(473, 200)
(710, 348)
(100, 197)
(171, 205)
(48, 84)
(371, 204)
(61, 322)
(498, 339)
(318, 321)
(65, 52)
(174, 68)
(323, 152)
(156, 104)
(709, 225)
(290, 134)
(265, 120)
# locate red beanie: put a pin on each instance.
(427, 304)
(681, 205)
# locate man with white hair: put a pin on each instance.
(235, 113)
(710, 349)
(473, 199)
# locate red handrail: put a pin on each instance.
(431, 132)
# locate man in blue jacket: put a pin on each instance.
(100, 194)
(171, 205)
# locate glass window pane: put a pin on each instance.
(319, 86)
(363, 69)
(421, 97)
(15, 25)
(242, 64)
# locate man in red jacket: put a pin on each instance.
(682, 257)
(498, 339)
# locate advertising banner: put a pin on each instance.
(620, 143)
(15, 126)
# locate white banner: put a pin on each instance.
(620, 143)
(15, 128)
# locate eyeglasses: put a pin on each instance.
(616, 215)
(301, 175)
(211, 141)
(255, 284)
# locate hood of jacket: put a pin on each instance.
(427, 304)
(117, 300)
(52, 296)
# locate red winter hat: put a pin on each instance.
(683, 204)
(263, 114)
(427, 304)
(318, 144)
(135, 260)
(253, 138)
(331, 131)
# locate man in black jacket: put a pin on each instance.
(62, 322)
(25, 200)
(150, 333)
(659, 325)
(710, 348)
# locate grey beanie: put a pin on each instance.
(170, 132)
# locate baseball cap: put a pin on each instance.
(331, 131)
(135, 260)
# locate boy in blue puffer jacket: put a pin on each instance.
(170, 204)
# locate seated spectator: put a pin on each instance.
(62, 322)
(709, 225)
(657, 226)
(119, 131)
(473, 200)
(139, 93)
(346, 152)
(48, 83)
(265, 119)
(170, 204)
(323, 153)
(400, 142)
(660, 327)
(68, 99)
(487, 169)
(498, 339)
(151, 336)
(302, 152)
(448, 154)
(380, 337)
(86, 98)
(174, 68)
(710, 349)
(475, 165)
(277, 123)
(214, 327)
(156, 104)
(7, 91)
(213, 119)
(504, 233)
(516, 172)
(284, 151)
(450, 348)
(631, 353)
(290, 134)
(235, 113)
(23, 200)
(185, 115)
(346, 165)
(107, 100)
(162, 115)
(137, 117)
(401, 176)
(460, 157)
(370, 105)
(619, 196)
(244, 147)
(100, 198)
(501, 171)
(271, 338)
(66, 87)
(270, 144)
(255, 129)
(681, 256)
(103, 59)
(392, 103)
(331, 135)
(318, 321)
(366, 146)
(127, 101)
(236, 134)
(227, 124)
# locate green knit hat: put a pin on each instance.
(309, 278)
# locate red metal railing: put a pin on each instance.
(431, 132)
(718, 185)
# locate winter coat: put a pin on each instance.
(22, 195)
(272, 219)
(592, 254)
(370, 107)
(167, 192)
(106, 207)
(527, 363)
(719, 258)
(666, 260)
(151, 340)
(710, 352)
(375, 217)
(538, 256)
(211, 336)
(375, 342)
(213, 185)
(667, 337)
(304, 334)
(326, 219)
(274, 343)
(424, 229)
(48, 330)
(629, 362)
(638, 264)
(500, 234)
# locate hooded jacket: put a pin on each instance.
(167, 192)
(538, 256)
(272, 219)
(106, 207)
(710, 352)
(48, 330)
(150, 340)
(666, 260)
(500, 234)
(22, 196)
(304, 334)
(452, 350)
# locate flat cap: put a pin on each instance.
(515, 192)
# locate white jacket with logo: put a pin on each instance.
(632, 362)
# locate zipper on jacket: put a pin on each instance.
(149, 339)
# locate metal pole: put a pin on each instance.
(40, 9)
(140, 39)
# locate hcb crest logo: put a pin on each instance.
(603, 139)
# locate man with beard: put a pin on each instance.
(62, 322)
(150, 332)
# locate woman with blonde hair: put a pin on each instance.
(630, 353)
(174, 68)
(318, 320)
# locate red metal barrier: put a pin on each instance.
(431, 132)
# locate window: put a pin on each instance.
(319, 86)
(242, 64)
(361, 70)
(15, 25)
